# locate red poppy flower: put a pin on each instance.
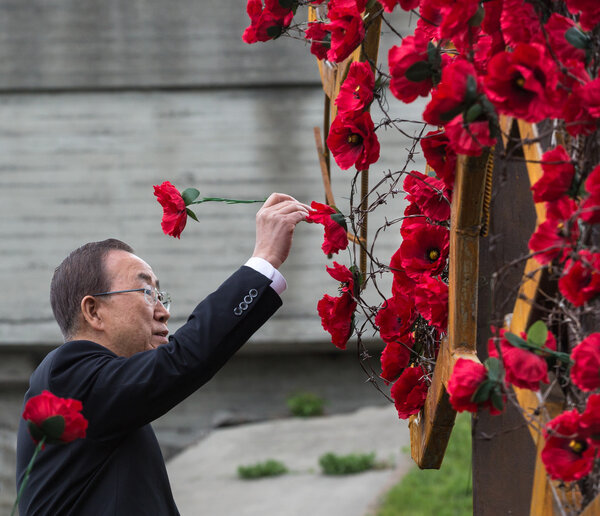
(395, 317)
(578, 119)
(429, 194)
(412, 217)
(585, 371)
(174, 211)
(456, 17)
(336, 233)
(588, 10)
(580, 281)
(320, 39)
(410, 392)
(519, 22)
(431, 300)
(396, 356)
(266, 22)
(58, 419)
(466, 378)
(590, 94)
(567, 454)
(424, 250)
(469, 138)
(589, 422)
(337, 313)
(407, 5)
(590, 208)
(440, 156)
(430, 18)
(352, 141)
(523, 368)
(413, 49)
(556, 28)
(347, 32)
(356, 92)
(557, 178)
(555, 237)
(402, 285)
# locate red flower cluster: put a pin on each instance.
(337, 313)
(410, 391)
(470, 387)
(336, 232)
(266, 22)
(174, 211)
(58, 420)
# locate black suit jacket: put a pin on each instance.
(118, 469)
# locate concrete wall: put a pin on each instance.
(101, 100)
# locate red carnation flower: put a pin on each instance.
(585, 371)
(567, 454)
(466, 378)
(413, 49)
(519, 22)
(580, 281)
(558, 234)
(522, 83)
(431, 300)
(410, 392)
(590, 208)
(356, 93)
(588, 10)
(578, 119)
(430, 19)
(407, 5)
(352, 141)
(59, 420)
(266, 22)
(556, 28)
(429, 194)
(174, 211)
(590, 95)
(557, 178)
(589, 422)
(402, 285)
(396, 356)
(456, 17)
(395, 317)
(347, 32)
(337, 313)
(320, 39)
(336, 233)
(469, 138)
(440, 156)
(424, 250)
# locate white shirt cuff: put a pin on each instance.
(266, 269)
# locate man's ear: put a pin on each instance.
(90, 312)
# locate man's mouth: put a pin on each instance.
(163, 336)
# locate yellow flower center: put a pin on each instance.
(577, 446)
(520, 82)
(433, 254)
(354, 139)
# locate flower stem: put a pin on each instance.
(228, 201)
(27, 473)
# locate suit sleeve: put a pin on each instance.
(119, 394)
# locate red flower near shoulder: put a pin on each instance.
(410, 392)
(558, 175)
(522, 83)
(174, 211)
(337, 313)
(356, 93)
(567, 455)
(424, 250)
(580, 281)
(429, 194)
(396, 356)
(352, 141)
(585, 371)
(266, 22)
(336, 236)
(59, 420)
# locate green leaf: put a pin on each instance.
(494, 367)
(53, 427)
(35, 431)
(192, 214)
(471, 93)
(274, 31)
(449, 115)
(434, 58)
(537, 334)
(418, 71)
(473, 113)
(339, 219)
(287, 4)
(496, 398)
(477, 18)
(578, 39)
(190, 195)
(483, 392)
(516, 341)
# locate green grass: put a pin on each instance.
(333, 464)
(444, 492)
(268, 468)
(305, 404)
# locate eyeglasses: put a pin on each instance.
(151, 295)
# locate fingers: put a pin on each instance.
(276, 199)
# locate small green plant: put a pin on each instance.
(333, 464)
(268, 468)
(306, 404)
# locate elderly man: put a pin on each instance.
(119, 361)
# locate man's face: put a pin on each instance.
(131, 323)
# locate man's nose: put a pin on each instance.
(161, 313)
